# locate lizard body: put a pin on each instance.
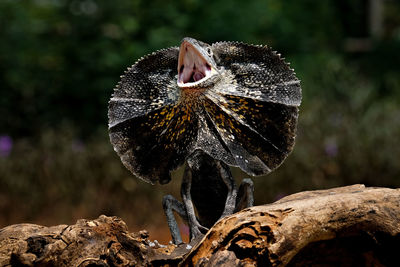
(209, 188)
(210, 105)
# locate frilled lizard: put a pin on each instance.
(214, 106)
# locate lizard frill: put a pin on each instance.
(247, 118)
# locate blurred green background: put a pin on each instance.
(60, 59)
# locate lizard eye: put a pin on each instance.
(209, 51)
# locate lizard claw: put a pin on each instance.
(197, 230)
(203, 229)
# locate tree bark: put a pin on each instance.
(346, 226)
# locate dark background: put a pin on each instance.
(60, 59)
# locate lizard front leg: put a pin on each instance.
(226, 176)
(195, 227)
(171, 204)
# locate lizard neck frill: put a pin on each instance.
(192, 97)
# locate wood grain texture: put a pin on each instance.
(346, 226)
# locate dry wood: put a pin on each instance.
(347, 226)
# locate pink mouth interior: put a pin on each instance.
(192, 66)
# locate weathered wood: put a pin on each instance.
(347, 226)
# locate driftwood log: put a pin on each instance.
(347, 226)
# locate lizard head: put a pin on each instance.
(196, 64)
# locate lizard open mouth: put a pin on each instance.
(193, 68)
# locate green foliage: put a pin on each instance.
(60, 59)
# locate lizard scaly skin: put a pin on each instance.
(223, 104)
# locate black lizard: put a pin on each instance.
(210, 105)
